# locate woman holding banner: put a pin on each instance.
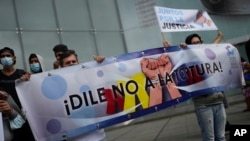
(209, 108)
(67, 59)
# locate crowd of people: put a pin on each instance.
(209, 108)
(16, 127)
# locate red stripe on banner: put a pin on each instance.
(113, 103)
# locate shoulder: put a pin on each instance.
(20, 71)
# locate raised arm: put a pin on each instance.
(219, 37)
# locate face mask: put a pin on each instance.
(7, 61)
(35, 67)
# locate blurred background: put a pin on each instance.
(108, 27)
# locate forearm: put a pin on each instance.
(218, 38)
(13, 114)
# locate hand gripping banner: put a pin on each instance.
(71, 101)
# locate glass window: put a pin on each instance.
(104, 15)
(73, 15)
(36, 14)
(110, 43)
(137, 13)
(141, 39)
(7, 15)
(82, 43)
(41, 43)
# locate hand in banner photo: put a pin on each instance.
(201, 19)
(149, 68)
(165, 66)
(162, 87)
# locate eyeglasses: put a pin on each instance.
(197, 42)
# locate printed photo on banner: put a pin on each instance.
(176, 20)
(76, 100)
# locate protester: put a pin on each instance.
(58, 49)
(36, 63)
(201, 19)
(209, 108)
(196, 39)
(246, 87)
(69, 58)
(8, 75)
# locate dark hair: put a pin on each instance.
(199, 13)
(60, 48)
(66, 54)
(190, 37)
(7, 49)
(32, 55)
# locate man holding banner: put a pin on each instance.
(69, 58)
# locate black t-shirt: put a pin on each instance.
(8, 84)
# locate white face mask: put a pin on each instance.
(6, 61)
(35, 67)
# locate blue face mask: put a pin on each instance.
(6, 61)
(35, 67)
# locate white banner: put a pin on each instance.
(70, 101)
(176, 20)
